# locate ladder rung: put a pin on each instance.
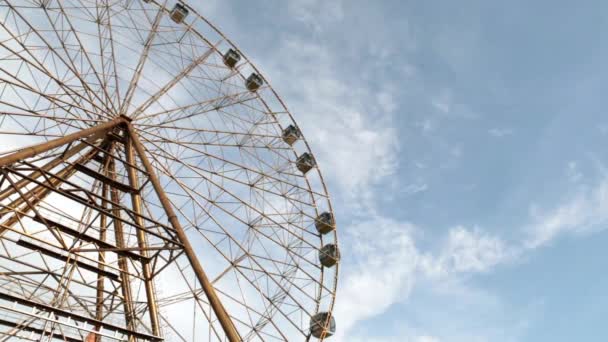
(105, 179)
(80, 236)
(64, 258)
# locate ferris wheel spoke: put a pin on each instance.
(168, 207)
(271, 144)
(198, 297)
(294, 201)
(63, 105)
(142, 60)
(202, 107)
(216, 204)
(27, 131)
(28, 88)
(245, 168)
(221, 134)
(175, 331)
(106, 39)
(108, 103)
(194, 195)
(228, 192)
(255, 283)
(173, 82)
(198, 143)
(272, 304)
(271, 239)
(38, 66)
(66, 122)
(90, 94)
(295, 265)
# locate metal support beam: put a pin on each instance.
(142, 239)
(104, 246)
(65, 258)
(49, 166)
(38, 193)
(73, 317)
(210, 292)
(101, 258)
(31, 151)
(35, 196)
(122, 262)
(22, 327)
(104, 179)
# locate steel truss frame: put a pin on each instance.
(92, 143)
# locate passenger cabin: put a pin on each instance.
(329, 255)
(231, 58)
(179, 13)
(305, 162)
(291, 134)
(254, 82)
(325, 223)
(322, 325)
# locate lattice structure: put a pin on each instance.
(153, 186)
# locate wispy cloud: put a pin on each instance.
(354, 141)
(386, 261)
(466, 250)
(380, 269)
(500, 132)
(383, 264)
(584, 212)
(316, 13)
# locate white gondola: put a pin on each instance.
(322, 325)
(291, 134)
(305, 162)
(254, 82)
(325, 223)
(179, 13)
(329, 255)
(231, 58)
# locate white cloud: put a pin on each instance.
(414, 188)
(426, 126)
(384, 262)
(316, 13)
(387, 101)
(456, 151)
(353, 139)
(380, 271)
(500, 132)
(426, 338)
(403, 338)
(573, 173)
(442, 101)
(382, 265)
(467, 251)
(585, 212)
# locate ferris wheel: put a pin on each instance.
(153, 186)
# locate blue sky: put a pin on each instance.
(463, 145)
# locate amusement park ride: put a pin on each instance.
(153, 186)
